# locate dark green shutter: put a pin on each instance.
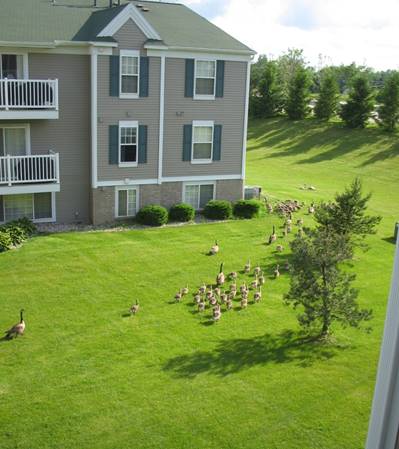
(144, 72)
(219, 79)
(189, 84)
(114, 144)
(217, 142)
(142, 159)
(114, 76)
(187, 139)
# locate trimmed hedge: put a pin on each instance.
(152, 215)
(181, 212)
(247, 208)
(5, 241)
(218, 210)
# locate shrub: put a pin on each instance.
(181, 212)
(5, 240)
(16, 233)
(152, 215)
(218, 210)
(247, 208)
(26, 224)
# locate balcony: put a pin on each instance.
(35, 173)
(28, 99)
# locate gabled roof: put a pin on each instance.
(169, 24)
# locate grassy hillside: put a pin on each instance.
(87, 375)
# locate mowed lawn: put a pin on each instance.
(88, 376)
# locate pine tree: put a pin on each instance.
(319, 287)
(271, 100)
(327, 102)
(389, 110)
(356, 112)
(297, 106)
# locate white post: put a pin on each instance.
(6, 93)
(9, 169)
(57, 165)
(56, 94)
(93, 107)
(161, 119)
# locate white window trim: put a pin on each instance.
(117, 189)
(51, 219)
(193, 183)
(199, 123)
(131, 53)
(25, 126)
(25, 65)
(128, 124)
(199, 96)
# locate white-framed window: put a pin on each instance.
(198, 194)
(39, 207)
(129, 74)
(126, 201)
(205, 79)
(202, 142)
(13, 66)
(15, 140)
(128, 143)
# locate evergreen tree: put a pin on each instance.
(356, 112)
(389, 97)
(319, 287)
(297, 105)
(346, 215)
(327, 102)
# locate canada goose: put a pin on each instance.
(244, 294)
(233, 275)
(289, 229)
(213, 301)
(247, 267)
(254, 283)
(280, 248)
(233, 287)
(220, 278)
(209, 294)
(135, 308)
(232, 294)
(201, 306)
(217, 291)
(223, 298)
(216, 313)
(244, 303)
(202, 289)
(277, 271)
(184, 291)
(261, 279)
(243, 288)
(288, 221)
(215, 249)
(299, 222)
(273, 236)
(17, 329)
(197, 298)
(269, 208)
(229, 304)
(178, 296)
(258, 295)
(311, 209)
(257, 271)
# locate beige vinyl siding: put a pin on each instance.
(70, 134)
(113, 109)
(228, 111)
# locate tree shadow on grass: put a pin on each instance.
(234, 355)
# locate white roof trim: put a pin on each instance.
(127, 13)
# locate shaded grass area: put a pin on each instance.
(89, 375)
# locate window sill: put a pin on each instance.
(128, 96)
(127, 164)
(204, 97)
(201, 161)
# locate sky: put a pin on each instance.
(329, 31)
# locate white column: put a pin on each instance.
(93, 58)
(245, 131)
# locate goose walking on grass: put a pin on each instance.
(202, 289)
(247, 267)
(257, 271)
(258, 295)
(201, 306)
(184, 290)
(277, 272)
(229, 304)
(244, 303)
(17, 329)
(233, 276)
(261, 279)
(311, 209)
(216, 313)
(214, 249)
(178, 296)
(280, 248)
(220, 278)
(273, 236)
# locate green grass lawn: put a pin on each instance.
(87, 376)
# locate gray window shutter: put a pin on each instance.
(114, 76)
(187, 140)
(144, 72)
(142, 156)
(189, 84)
(217, 142)
(114, 144)
(219, 78)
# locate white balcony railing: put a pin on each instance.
(29, 169)
(28, 94)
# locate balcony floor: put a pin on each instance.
(28, 114)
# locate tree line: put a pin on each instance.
(356, 94)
